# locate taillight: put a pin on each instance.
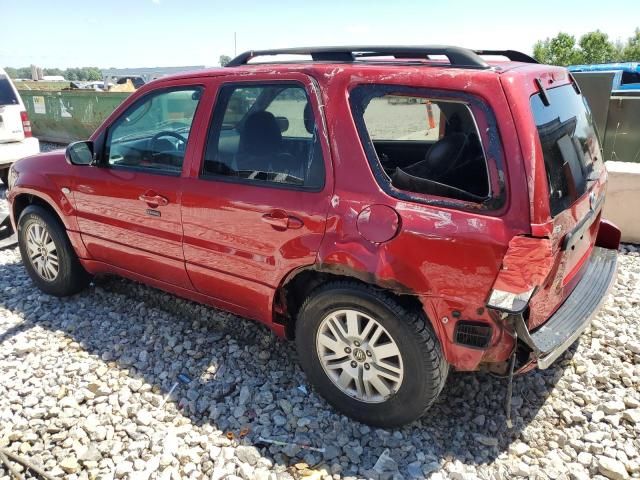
(26, 124)
(525, 266)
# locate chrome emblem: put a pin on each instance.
(592, 200)
(359, 355)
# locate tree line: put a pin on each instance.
(73, 74)
(592, 47)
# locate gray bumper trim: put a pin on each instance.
(564, 327)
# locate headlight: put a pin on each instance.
(13, 177)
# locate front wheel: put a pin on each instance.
(370, 357)
(48, 255)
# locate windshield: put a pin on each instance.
(7, 95)
(569, 144)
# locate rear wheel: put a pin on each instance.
(48, 255)
(370, 357)
(4, 176)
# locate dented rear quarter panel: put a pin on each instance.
(449, 257)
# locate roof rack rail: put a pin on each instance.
(512, 55)
(458, 57)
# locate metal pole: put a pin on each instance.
(235, 43)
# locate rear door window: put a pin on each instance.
(569, 144)
(265, 134)
(7, 95)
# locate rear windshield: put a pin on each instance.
(569, 143)
(7, 95)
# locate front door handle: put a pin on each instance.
(280, 220)
(153, 199)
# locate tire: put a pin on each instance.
(4, 176)
(70, 277)
(420, 356)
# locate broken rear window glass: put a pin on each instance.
(427, 146)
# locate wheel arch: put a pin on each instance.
(300, 282)
(65, 276)
(24, 199)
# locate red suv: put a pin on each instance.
(399, 211)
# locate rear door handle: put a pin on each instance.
(280, 220)
(153, 199)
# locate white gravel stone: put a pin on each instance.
(578, 472)
(613, 406)
(612, 468)
(70, 465)
(519, 449)
(595, 437)
(123, 469)
(632, 415)
(585, 458)
(143, 417)
(249, 455)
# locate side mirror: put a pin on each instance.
(283, 123)
(80, 153)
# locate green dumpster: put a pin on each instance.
(67, 116)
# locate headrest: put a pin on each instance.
(446, 151)
(261, 134)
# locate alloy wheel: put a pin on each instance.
(43, 254)
(359, 356)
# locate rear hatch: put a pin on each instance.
(576, 181)
(10, 107)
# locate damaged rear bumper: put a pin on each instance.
(563, 328)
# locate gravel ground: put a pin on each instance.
(83, 382)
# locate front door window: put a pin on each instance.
(152, 135)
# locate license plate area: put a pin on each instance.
(576, 245)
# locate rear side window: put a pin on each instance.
(265, 134)
(569, 144)
(7, 95)
(426, 145)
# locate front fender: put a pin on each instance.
(44, 176)
(51, 195)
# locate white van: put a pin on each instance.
(16, 140)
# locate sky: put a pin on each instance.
(160, 33)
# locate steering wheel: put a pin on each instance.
(167, 133)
